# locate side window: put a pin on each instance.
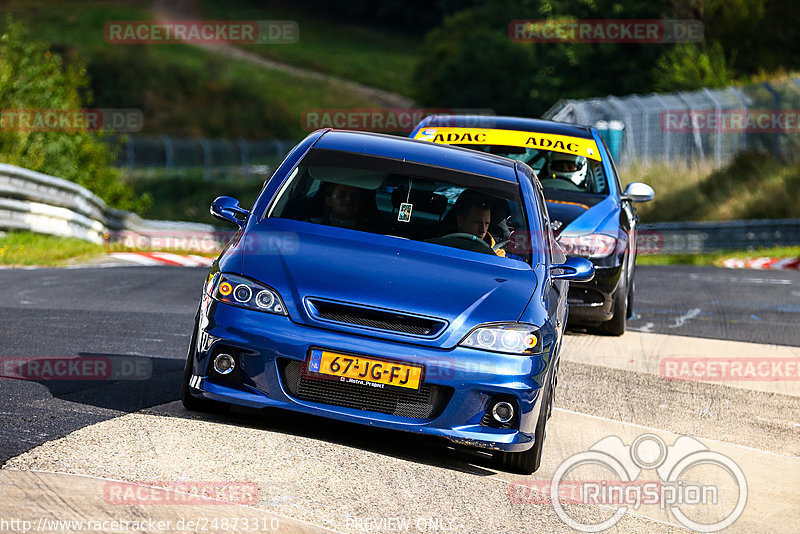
(612, 165)
(549, 238)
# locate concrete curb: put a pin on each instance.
(764, 263)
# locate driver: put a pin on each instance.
(473, 216)
(568, 167)
(342, 207)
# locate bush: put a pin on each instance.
(32, 77)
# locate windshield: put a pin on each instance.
(556, 170)
(403, 199)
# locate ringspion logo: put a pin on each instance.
(704, 490)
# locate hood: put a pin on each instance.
(579, 213)
(456, 289)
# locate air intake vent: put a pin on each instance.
(425, 404)
(376, 319)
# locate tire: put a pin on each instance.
(527, 462)
(190, 402)
(631, 291)
(616, 325)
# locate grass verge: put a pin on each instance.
(373, 57)
(754, 185)
(189, 197)
(27, 248)
(716, 258)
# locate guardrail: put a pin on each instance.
(700, 237)
(45, 204)
(40, 203)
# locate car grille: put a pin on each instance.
(378, 319)
(427, 403)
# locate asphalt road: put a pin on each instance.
(335, 475)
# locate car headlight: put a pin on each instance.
(588, 246)
(245, 293)
(508, 338)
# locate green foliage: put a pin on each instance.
(688, 67)
(191, 99)
(187, 198)
(752, 186)
(33, 78)
(471, 61)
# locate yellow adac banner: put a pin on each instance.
(485, 136)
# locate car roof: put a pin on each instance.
(403, 148)
(509, 123)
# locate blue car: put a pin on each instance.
(392, 283)
(592, 216)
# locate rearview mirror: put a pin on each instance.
(638, 192)
(575, 269)
(228, 209)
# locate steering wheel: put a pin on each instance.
(466, 241)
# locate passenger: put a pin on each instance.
(473, 214)
(342, 207)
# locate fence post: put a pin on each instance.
(168, 153)
(777, 98)
(740, 95)
(245, 153)
(664, 133)
(206, 158)
(718, 140)
(698, 142)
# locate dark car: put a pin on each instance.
(355, 290)
(592, 216)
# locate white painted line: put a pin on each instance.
(691, 314)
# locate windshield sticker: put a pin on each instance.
(483, 136)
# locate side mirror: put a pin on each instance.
(638, 192)
(228, 209)
(575, 269)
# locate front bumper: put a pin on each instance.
(270, 350)
(593, 302)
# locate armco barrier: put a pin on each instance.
(699, 237)
(45, 204)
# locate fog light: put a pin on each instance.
(503, 412)
(224, 364)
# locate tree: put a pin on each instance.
(33, 78)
